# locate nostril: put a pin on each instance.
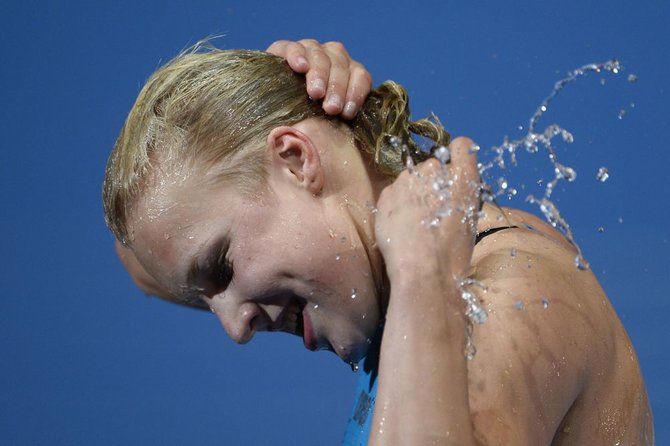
(240, 322)
(248, 322)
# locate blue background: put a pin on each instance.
(87, 359)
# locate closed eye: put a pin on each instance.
(223, 272)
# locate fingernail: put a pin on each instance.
(319, 86)
(302, 61)
(335, 101)
(350, 109)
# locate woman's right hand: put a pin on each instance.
(331, 73)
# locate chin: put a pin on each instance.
(354, 351)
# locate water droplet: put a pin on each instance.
(565, 172)
(581, 263)
(442, 154)
(316, 306)
(620, 219)
(513, 252)
(543, 108)
(439, 184)
(474, 148)
(337, 257)
(621, 114)
(470, 349)
(395, 141)
(603, 81)
(353, 293)
(368, 341)
(601, 229)
(519, 305)
(388, 240)
(603, 174)
(545, 302)
(354, 366)
(632, 77)
(364, 315)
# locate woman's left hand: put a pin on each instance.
(412, 231)
(331, 73)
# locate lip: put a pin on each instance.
(308, 337)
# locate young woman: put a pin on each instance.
(232, 189)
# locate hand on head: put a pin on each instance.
(331, 73)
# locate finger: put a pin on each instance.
(464, 158)
(467, 183)
(338, 78)
(293, 52)
(319, 68)
(360, 83)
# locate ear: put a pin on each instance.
(294, 156)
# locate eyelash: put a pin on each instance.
(224, 271)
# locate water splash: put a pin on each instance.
(603, 174)
(505, 155)
(533, 141)
(474, 311)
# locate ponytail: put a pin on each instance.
(383, 119)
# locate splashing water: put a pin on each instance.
(504, 155)
(474, 311)
(603, 174)
(533, 141)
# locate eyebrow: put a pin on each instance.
(211, 259)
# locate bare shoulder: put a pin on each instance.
(554, 364)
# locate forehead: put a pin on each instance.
(173, 219)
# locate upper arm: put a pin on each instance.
(531, 353)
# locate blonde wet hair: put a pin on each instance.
(212, 109)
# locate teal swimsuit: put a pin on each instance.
(358, 425)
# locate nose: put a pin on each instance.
(241, 321)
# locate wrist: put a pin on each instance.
(423, 298)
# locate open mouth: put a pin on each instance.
(300, 323)
(295, 320)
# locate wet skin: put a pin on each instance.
(566, 374)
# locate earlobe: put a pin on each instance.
(294, 156)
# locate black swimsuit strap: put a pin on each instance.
(490, 231)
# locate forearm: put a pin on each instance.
(423, 385)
